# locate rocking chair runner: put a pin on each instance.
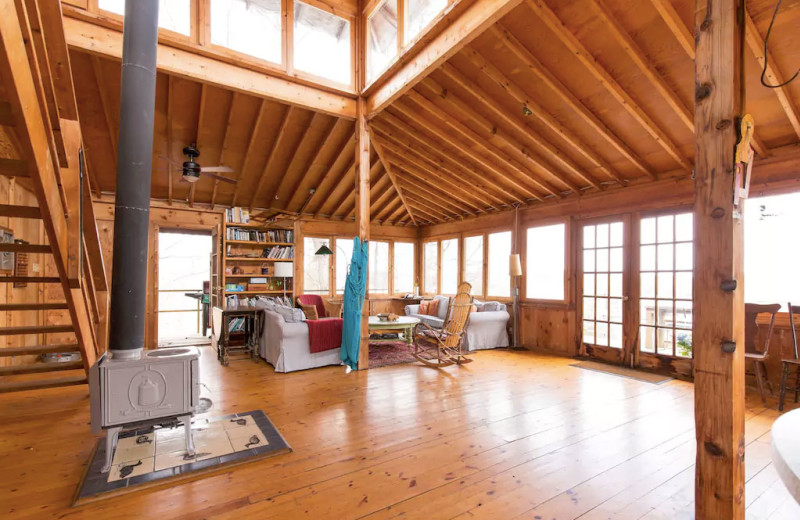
(442, 348)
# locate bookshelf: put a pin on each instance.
(250, 250)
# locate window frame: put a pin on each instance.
(568, 263)
(168, 34)
(414, 283)
(331, 263)
(484, 262)
(423, 290)
(510, 281)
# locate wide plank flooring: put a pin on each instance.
(512, 435)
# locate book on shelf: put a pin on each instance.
(234, 287)
(237, 215)
(274, 235)
(272, 253)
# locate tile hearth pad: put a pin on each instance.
(153, 456)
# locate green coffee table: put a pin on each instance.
(404, 325)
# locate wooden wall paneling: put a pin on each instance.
(320, 162)
(602, 75)
(567, 97)
(417, 150)
(718, 243)
(491, 159)
(682, 33)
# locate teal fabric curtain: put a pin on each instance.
(355, 288)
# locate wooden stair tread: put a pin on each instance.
(9, 210)
(35, 350)
(25, 248)
(35, 329)
(18, 386)
(37, 368)
(33, 306)
(29, 279)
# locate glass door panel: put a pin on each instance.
(603, 254)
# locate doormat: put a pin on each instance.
(157, 456)
(630, 373)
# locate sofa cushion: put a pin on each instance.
(429, 307)
(431, 321)
(444, 302)
(491, 306)
(289, 314)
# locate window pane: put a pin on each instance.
(252, 27)
(683, 285)
(499, 251)
(588, 308)
(381, 38)
(665, 313)
(344, 253)
(615, 260)
(588, 332)
(683, 343)
(771, 249)
(545, 262)
(588, 284)
(378, 267)
(588, 260)
(615, 310)
(602, 309)
(615, 239)
(647, 339)
(602, 334)
(665, 229)
(321, 43)
(648, 285)
(647, 259)
(648, 231)
(647, 312)
(683, 314)
(473, 263)
(403, 267)
(450, 266)
(684, 256)
(316, 275)
(664, 285)
(588, 236)
(173, 15)
(615, 335)
(684, 227)
(602, 235)
(615, 285)
(419, 14)
(664, 341)
(431, 268)
(665, 252)
(602, 260)
(602, 285)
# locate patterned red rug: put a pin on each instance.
(385, 353)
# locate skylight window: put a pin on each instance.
(381, 38)
(173, 15)
(321, 43)
(419, 13)
(252, 27)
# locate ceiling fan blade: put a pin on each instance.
(218, 177)
(216, 169)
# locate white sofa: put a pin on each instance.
(285, 346)
(486, 328)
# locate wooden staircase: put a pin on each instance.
(38, 109)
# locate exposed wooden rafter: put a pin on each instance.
(379, 149)
(276, 146)
(225, 145)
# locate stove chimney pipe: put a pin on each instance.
(134, 164)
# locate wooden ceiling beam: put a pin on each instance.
(605, 78)
(395, 216)
(347, 197)
(225, 144)
(387, 209)
(380, 200)
(773, 75)
(343, 179)
(565, 94)
(401, 134)
(635, 53)
(95, 39)
(472, 23)
(277, 145)
(675, 24)
(555, 155)
(511, 173)
(249, 153)
(170, 116)
(431, 214)
(344, 160)
(288, 190)
(280, 189)
(389, 173)
(441, 183)
(504, 141)
(429, 191)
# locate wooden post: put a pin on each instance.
(362, 213)
(718, 315)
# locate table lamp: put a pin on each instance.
(284, 270)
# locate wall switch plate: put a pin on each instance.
(35, 268)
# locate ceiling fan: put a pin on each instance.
(191, 170)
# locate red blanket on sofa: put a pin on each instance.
(324, 334)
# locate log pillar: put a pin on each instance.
(718, 251)
(362, 213)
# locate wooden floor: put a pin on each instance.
(511, 435)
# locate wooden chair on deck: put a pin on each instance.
(441, 348)
(751, 312)
(786, 364)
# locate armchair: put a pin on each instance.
(316, 307)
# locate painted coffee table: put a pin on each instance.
(404, 325)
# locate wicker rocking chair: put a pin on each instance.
(442, 348)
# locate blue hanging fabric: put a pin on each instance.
(355, 288)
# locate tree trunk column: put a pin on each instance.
(362, 215)
(718, 250)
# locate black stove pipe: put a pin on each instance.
(134, 164)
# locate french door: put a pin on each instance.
(604, 266)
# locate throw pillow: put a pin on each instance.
(429, 307)
(289, 314)
(490, 306)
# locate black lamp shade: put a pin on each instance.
(324, 250)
